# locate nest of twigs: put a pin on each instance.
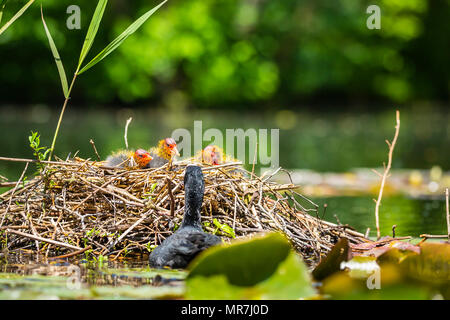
(78, 205)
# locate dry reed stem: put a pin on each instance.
(95, 149)
(126, 132)
(391, 146)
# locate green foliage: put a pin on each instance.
(260, 268)
(219, 52)
(431, 266)
(2, 8)
(402, 274)
(150, 247)
(92, 30)
(59, 64)
(39, 152)
(116, 42)
(224, 228)
(88, 41)
(244, 262)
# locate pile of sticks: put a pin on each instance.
(78, 205)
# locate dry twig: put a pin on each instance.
(80, 203)
(391, 146)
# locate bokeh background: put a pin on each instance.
(311, 68)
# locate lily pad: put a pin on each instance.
(432, 265)
(245, 262)
(261, 268)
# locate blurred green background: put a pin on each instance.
(235, 54)
(312, 69)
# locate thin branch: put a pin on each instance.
(366, 235)
(75, 253)
(33, 237)
(95, 149)
(12, 194)
(126, 132)
(433, 236)
(377, 173)
(52, 148)
(254, 159)
(130, 228)
(172, 199)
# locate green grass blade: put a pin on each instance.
(121, 38)
(59, 65)
(16, 16)
(92, 31)
(2, 7)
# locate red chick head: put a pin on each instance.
(142, 157)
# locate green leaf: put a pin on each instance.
(16, 16)
(224, 228)
(59, 65)
(121, 38)
(290, 281)
(341, 286)
(92, 30)
(432, 265)
(245, 262)
(289, 278)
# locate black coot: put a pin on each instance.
(189, 240)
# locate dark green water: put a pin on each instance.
(330, 141)
(413, 217)
(327, 141)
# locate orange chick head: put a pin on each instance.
(142, 158)
(170, 147)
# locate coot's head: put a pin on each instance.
(194, 186)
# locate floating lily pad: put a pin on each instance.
(245, 262)
(259, 268)
(431, 266)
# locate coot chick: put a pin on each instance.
(129, 159)
(189, 240)
(212, 155)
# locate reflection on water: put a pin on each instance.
(413, 217)
(24, 275)
(327, 141)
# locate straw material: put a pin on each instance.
(81, 203)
